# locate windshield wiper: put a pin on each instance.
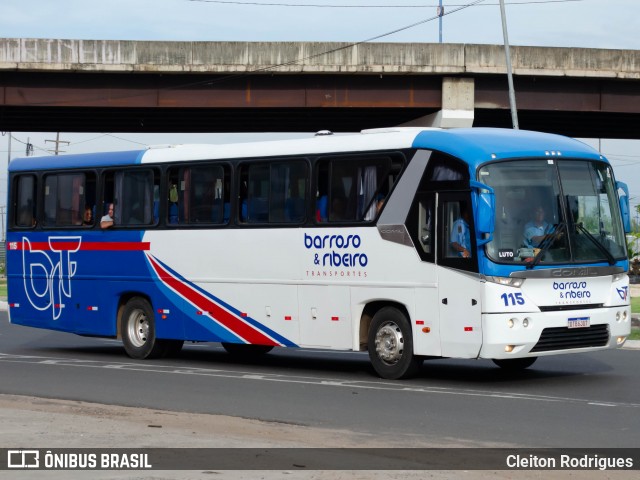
(595, 241)
(546, 244)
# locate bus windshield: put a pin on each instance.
(554, 212)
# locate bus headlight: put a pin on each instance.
(506, 281)
(616, 277)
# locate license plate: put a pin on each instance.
(579, 322)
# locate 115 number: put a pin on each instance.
(512, 299)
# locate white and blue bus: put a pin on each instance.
(406, 243)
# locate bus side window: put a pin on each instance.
(24, 213)
(64, 198)
(273, 192)
(288, 192)
(258, 194)
(175, 189)
(209, 194)
(132, 194)
(455, 232)
(354, 188)
(458, 231)
(421, 223)
(426, 224)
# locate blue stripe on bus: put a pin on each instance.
(83, 160)
(481, 145)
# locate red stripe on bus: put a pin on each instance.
(237, 326)
(89, 246)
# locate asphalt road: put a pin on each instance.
(580, 400)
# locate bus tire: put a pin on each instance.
(515, 364)
(138, 330)
(390, 345)
(246, 350)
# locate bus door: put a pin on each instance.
(459, 288)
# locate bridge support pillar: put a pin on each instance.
(458, 102)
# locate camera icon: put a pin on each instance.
(23, 459)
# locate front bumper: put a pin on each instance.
(517, 335)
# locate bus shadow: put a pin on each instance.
(352, 366)
(447, 371)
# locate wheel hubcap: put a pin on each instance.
(389, 343)
(138, 328)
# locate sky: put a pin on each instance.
(611, 24)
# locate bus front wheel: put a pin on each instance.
(390, 345)
(138, 330)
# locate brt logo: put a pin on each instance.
(48, 272)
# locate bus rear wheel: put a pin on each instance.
(515, 364)
(137, 327)
(390, 345)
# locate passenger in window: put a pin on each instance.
(173, 192)
(321, 208)
(460, 236)
(107, 220)
(87, 216)
(536, 230)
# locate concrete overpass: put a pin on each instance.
(129, 86)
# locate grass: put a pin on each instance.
(635, 304)
(3, 288)
(635, 308)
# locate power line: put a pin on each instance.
(326, 52)
(124, 139)
(316, 5)
(26, 143)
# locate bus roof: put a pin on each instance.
(474, 145)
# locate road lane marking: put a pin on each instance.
(381, 385)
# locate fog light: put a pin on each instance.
(510, 323)
(621, 340)
(624, 315)
(617, 316)
(525, 322)
(508, 348)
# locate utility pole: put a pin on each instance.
(57, 141)
(440, 15)
(8, 134)
(512, 94)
